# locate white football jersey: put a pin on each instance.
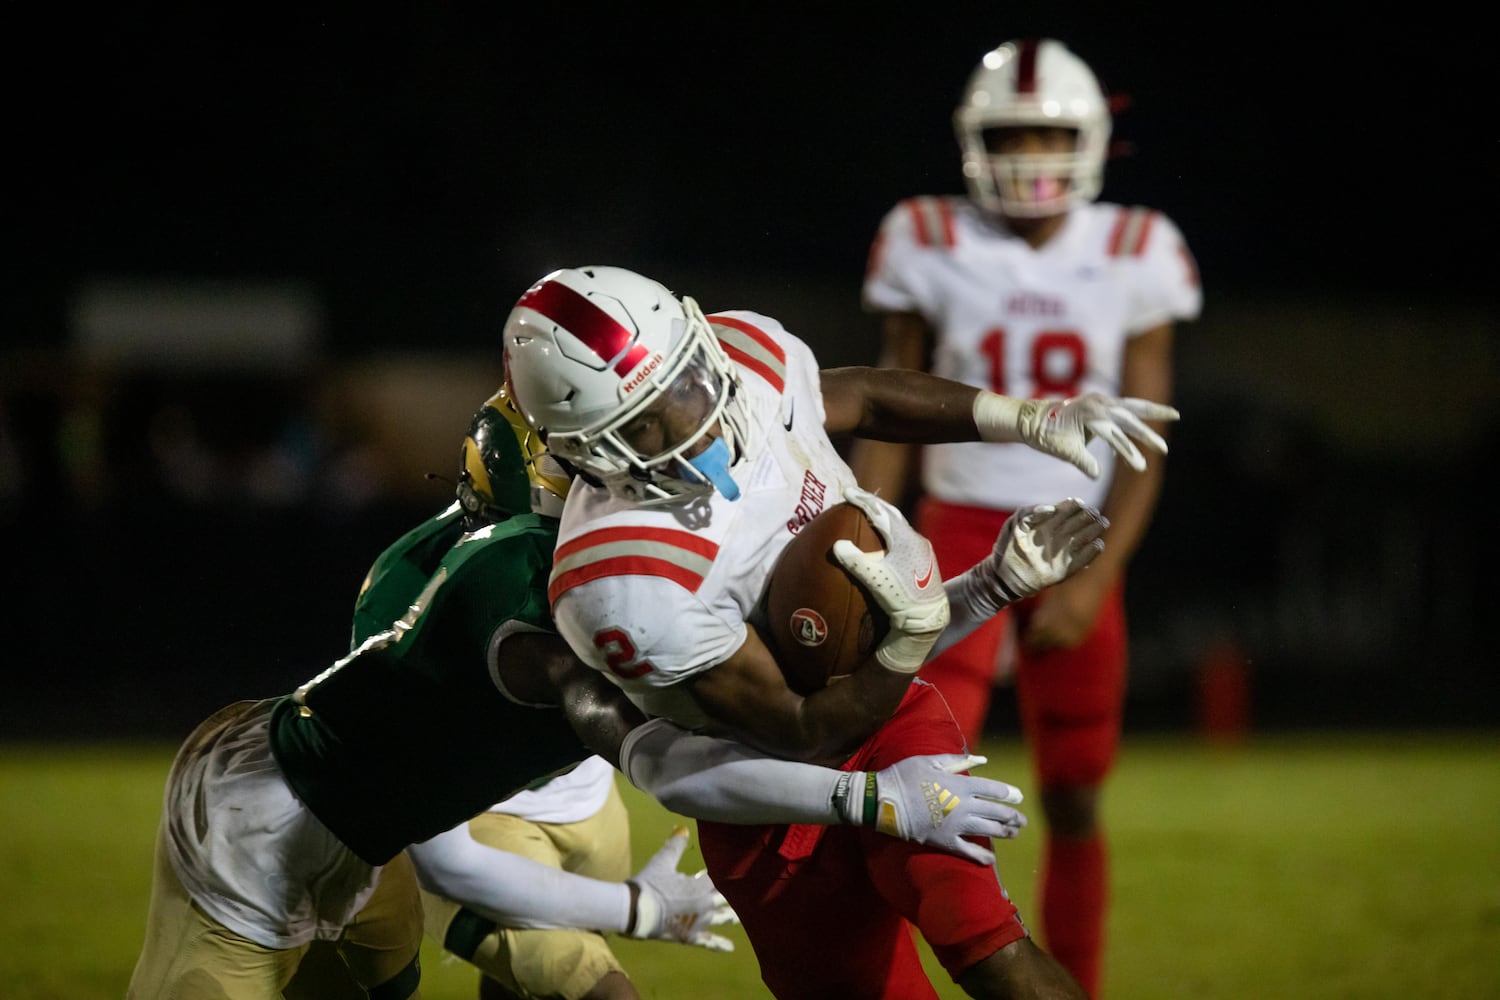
(653, 596)
(567, 798)
(1028, 323)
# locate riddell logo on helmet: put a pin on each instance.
(634, 382)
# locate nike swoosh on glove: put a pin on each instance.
(903, 580)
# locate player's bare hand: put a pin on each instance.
(928, 800)
(674, 906)
(903, 580)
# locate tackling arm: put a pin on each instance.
(707, 777)
(658, 902)
(928, 799)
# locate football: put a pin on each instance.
(822, 623)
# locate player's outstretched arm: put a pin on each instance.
(887, 404)
(1064, 427)
(658, 902)
(923, 799)
(1039, 546)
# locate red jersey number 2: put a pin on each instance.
(619, 654)
(1058, 360)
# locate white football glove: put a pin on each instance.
(1041, 545)
(673, 906)
(904, 581)
(923, 799)
(1064, 427)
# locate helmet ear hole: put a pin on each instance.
(501, 470)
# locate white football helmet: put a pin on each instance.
(1033, 82)
(627, 384)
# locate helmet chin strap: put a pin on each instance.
(712, 464)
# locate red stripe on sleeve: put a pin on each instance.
(623, 566)
(751, 362)
(1145, 233)
(945, 212)
(756, 365)
(919, 222)
(1122, 216)
(695, 544)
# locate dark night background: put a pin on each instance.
(1325, 521)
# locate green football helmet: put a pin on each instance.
(505, 469)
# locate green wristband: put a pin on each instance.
(872, 800)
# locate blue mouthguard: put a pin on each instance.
(713, 465)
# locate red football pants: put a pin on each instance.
(830, 910)
(1071, 701)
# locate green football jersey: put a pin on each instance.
(409, 735)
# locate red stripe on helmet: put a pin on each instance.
(1026, 67)
(597, 329)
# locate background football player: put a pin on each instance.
(1030, 287)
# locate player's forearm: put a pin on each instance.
(514, 891)
(888, 404)
(833, 721)
(706, 777)
(970, 605)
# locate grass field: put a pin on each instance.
(1359, 866)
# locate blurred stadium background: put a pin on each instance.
(262, 264)
(260, 261)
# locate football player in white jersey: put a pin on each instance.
(702, 445)
(1031, 288)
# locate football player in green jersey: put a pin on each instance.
(285, 820)
(575, 822)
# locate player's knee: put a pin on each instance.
(1072, 810)
(1021, 969)
(563, 964)
(403, 984)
